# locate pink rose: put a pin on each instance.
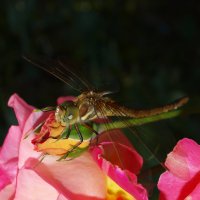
(96, 174)
(182, 180)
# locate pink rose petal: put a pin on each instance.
(78, 177)
(4, 178)
(21, 108)
(184, 171)
(9, 157)
(30, 186)
(8, 192)
(186, 156)
(9, 150)
(63, 99)
(124, 178)
(61, 197)
(122, 156)
(115, 136)
(170, 186)
(195, 194)
(26, 149)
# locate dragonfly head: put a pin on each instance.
(67, 114)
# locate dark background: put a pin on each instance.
(147, 51)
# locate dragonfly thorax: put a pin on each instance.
(88, 104)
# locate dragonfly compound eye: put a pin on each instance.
(67, 117)
(70, 116)
(58, 113)
(67, 114)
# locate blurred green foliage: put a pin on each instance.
(148, 51)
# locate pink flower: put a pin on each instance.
(96, 174)
(182, 180)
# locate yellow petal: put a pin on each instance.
(59, 147)
(57, 131)
(115, 192)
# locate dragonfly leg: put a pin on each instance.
(65, 133)
(75, 146)
(68, 132)
(96, 138)
(95, 132)
(41, 158)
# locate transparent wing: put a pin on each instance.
(120, 113)
(144, 140)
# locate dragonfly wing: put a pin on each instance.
(112, 109)
(115, 109)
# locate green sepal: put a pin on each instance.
(64, 134)
(87, 133)
(73, 154)
(77, 152)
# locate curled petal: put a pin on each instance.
(9, 156)
(170, 186)
(183, 176)
(195, 194)
(26, 149)
(115, 136)
(184, 160)
(125, 179)
(21, 108)
(125, 157)
(9, 150)
(4, 179)
(63, 99)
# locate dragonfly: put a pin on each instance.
(91, 104)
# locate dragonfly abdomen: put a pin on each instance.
(113, 109)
